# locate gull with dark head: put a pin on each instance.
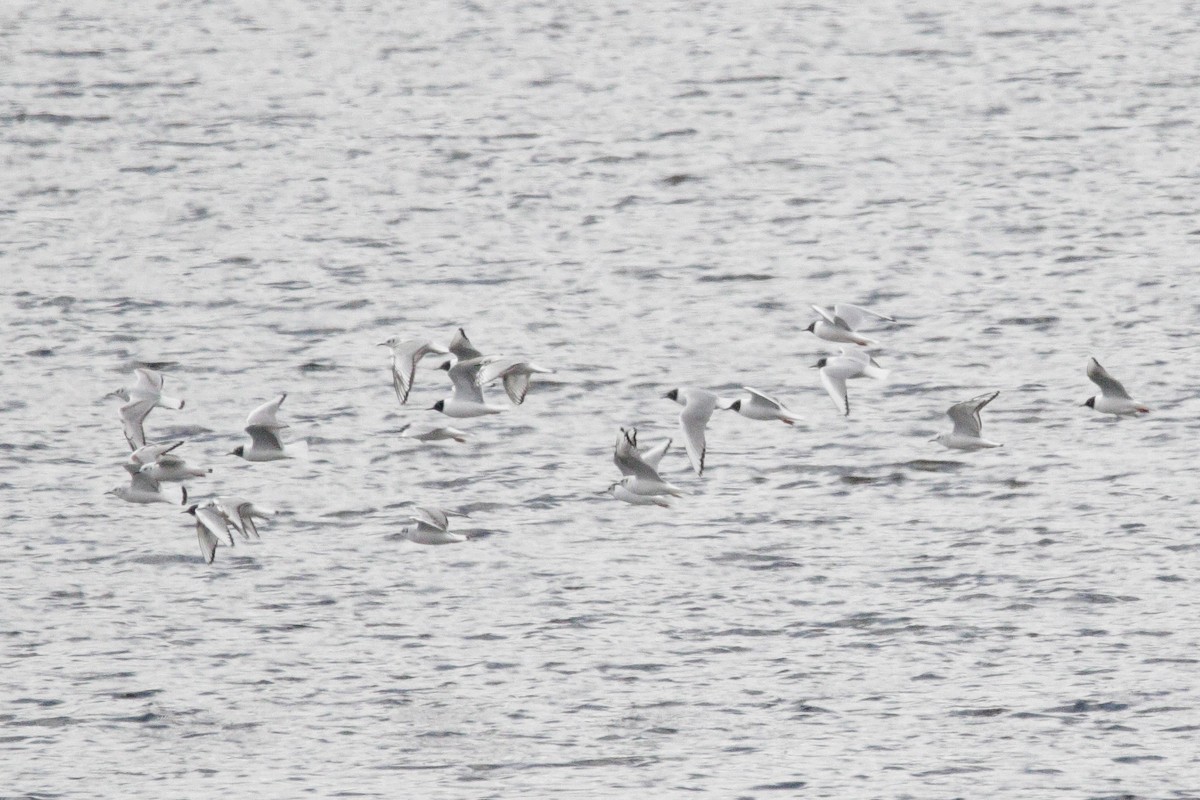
(265, 444)
(836, 370)
(405, 355)
(840, 324)
(759, 405)
(210, 527)
(1113, 399)
(467, 400)
(698, 406)
(968, 425)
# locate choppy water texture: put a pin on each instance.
(642, 196)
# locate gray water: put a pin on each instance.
(642, 196)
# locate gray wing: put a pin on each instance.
(516, 384)
(836, 387)
(855, 316)
(147, 454)
(433, 517)
(208, 542)
(462, 348)
(265, 438)
(630, 462)
(133, 415)
(1109, 386)
(404, 368)
(143, 483)
(763, 399)
(463, 375)
(965, 415)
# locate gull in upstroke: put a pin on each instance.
(1113, 399)
(642, 484)
(968, 425)
(265, 444)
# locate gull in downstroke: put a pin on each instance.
(141, 398)
(405, 355)
(1113, 399)
(210, 527)
(836, 370)
(239, 514)
(840, 323)
(698, 406)
(516, 373)
(968, 425)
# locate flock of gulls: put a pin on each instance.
(150, 465)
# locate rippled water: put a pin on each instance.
(642, 196)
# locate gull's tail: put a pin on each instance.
(170, 402)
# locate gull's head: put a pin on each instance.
(821, 362)
(239, 451)
(191, 509)
(736, 405)
(122, 393)
(392, 342)
(1091, 402)
(672, 395)
(812, 328)
(446, 365)
(938, 438)
(440, 405)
